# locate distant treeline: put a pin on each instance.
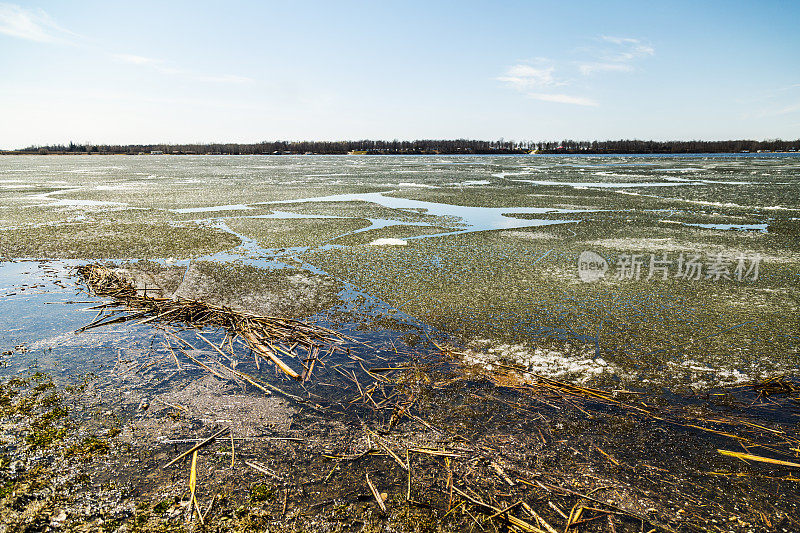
(458, 146)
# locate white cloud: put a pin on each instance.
(36, 25)
(159, 66)
(32, 25)
(636, 45)
(618, 57)
(136, 60)
(794, 108)
(778, 111)
(590, 68)
(562, 99)
(224, 78)
(194, 76)
(531, 79)
(524, 76)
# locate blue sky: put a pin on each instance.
(131, 72)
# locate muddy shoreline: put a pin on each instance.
(453, 447)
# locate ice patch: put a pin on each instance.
(120, 187)
(685, 180)
(388, 241)
(704, 376)
(61, 202)
(412, 184)
(713, 204)
(609, 184)
(581, 366)
(209, 209)
(470, 183)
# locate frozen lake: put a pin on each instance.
(484, 250)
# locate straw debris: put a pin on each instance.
(267, 336)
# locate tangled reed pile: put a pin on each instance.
(276, 339)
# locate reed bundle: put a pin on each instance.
(276, 339)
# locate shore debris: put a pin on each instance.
(275, 339)
(751, 457)
(197, 446)
(454, 467)
(378, 496)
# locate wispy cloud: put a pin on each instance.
(31, 24)
(632, 48)
(783, 90)
(793, 108)
(525, 76)
(224, 78)
(776, 111)
(562, 99)
(773, 102)
(618, 54)
(36, 25)
(590, 68)
(135, 60)
(159, 65)
(538, 76)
